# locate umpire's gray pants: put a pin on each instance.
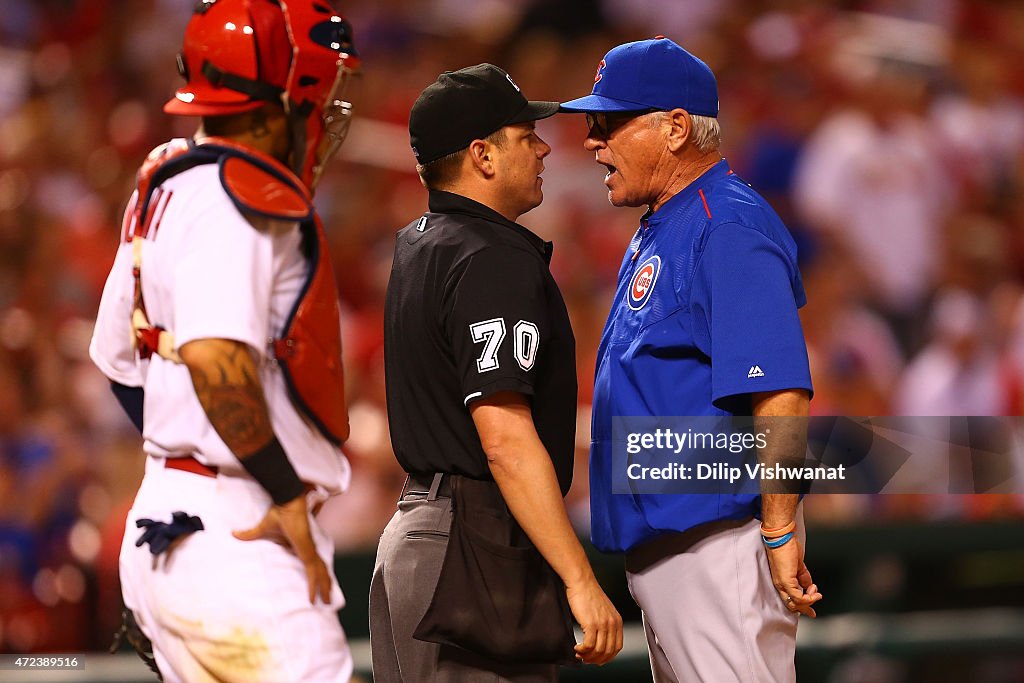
(408, 563)
(711, 613)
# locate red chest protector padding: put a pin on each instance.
(309, 350)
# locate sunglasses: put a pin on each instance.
(603, 125)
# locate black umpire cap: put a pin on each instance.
(466, 105)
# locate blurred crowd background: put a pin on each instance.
(888, 134)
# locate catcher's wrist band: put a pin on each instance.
(272, 469)
(777, 542)
(780, 532)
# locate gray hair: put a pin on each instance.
(705, 133)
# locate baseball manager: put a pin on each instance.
(704, 323)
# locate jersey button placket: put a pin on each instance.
(644, 228)
(640, 243)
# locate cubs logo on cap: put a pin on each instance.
(642, 284)
(653, 74)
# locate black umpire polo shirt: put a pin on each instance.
(471, 310)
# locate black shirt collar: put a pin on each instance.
(439, 201)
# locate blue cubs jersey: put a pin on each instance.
(705, 313)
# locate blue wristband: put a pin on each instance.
(777, 542)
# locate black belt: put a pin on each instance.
(432, 485)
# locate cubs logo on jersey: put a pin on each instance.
(642, 284)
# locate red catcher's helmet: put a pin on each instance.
(240, 54)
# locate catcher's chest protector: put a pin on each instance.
(309, 349)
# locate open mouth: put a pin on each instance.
(611, 170)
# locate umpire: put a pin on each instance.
(480, 375)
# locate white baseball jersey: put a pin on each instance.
(209, 272)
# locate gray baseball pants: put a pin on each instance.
(409, 560)
(710, 610)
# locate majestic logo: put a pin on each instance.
(642, 284)
(755, 371)
(600, 67)
(513, 83)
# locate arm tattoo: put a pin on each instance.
(229, 389)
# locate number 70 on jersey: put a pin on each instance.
(491, 333)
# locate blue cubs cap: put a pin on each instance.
(650, 74)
